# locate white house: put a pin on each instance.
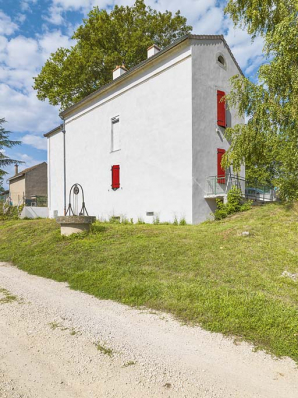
(149, 144)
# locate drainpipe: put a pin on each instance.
(64, 164)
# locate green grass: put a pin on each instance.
(207, 274)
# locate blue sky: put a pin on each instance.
(30, 30)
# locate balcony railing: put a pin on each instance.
(219, 186)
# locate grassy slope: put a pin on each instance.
(207, 274)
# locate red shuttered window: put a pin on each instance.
(115, 177)
(221, 173)
(221, 109)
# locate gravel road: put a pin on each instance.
(56, 342)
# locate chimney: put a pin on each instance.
(152, 51)
(16, 169)
(119, 71)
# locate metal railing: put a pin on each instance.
(219, 186)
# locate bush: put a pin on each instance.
(234, 204)
(10, 213)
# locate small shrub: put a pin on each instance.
(114, 220)
(10, 212)
(175, 222)
(183, 221)
(234, 204)
(221, 211)
(140, 221)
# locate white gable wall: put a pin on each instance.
(155, 112)
(208, 77)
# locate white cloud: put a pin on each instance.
(3, 43)
(72, 4)
(29, 161)
(25, 4)
(35, 141)
(21, 58)
(210, 22)
(7, 27)
(255, 63)
(50, 41)
(21, 18)
(247, 51)
(24, 112)
(55, 15)
(23, 53)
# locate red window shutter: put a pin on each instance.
(221, 173)
(115, 177)
(221, 109)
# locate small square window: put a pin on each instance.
(115, 137)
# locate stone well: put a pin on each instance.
(75, 224)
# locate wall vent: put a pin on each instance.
(150, 213)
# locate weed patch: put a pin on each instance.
(104, 350)
(7, 297)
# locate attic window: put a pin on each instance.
(221, 61)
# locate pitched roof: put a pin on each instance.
(139, 66)
(22, 173)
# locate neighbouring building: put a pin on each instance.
(149, 144)
(29, 186)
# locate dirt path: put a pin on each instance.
(55, 342)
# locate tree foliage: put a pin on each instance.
(268, 143)
(105, 39)
(5, 142)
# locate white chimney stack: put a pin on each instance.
(119, 71)
(152, 50)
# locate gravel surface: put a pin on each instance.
(56, 342)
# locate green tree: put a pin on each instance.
(102, 42)
(5, 142)
(268, 143)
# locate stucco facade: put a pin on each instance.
(17, 190)
(166, 138)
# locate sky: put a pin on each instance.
(30, 30)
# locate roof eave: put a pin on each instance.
(54, 131)
(17, 176)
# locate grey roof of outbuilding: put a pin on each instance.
(139, 66)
